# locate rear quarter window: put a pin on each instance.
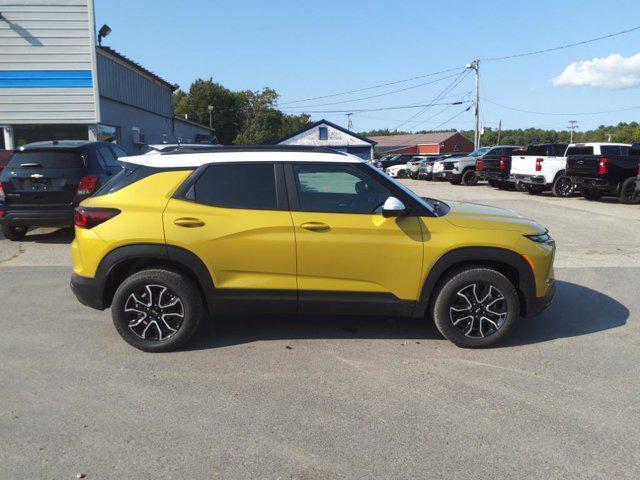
(46, 159)
(579, 151)
(610, 150)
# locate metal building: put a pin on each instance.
(56, 83)
(324, 133)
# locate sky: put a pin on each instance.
(305, 49)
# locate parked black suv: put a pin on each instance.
(599, 169)
(391, 160)
(43, 182)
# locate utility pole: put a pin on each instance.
(349, 122)
(475, 65)
(573, 126)
(499, 130)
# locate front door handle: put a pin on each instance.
(316, 227)
(188, 222)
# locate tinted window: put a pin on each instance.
(46, 159)
(119, 152)
(625, 151)
(538, 150)
(337, 189)
(250, 186)
(108, 157)
(579, 151)
(610, 150)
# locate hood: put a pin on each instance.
(473, 215)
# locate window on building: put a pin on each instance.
(323, 133)
(337, 189)
(249, 186)
(108, 133)
(24, 134)
(456, 148)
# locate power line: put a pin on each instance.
(561, 47)
(379, 94)
(446, 90)
(401, 107)
(558, 113)
(357, 90)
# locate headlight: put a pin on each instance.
(456, 165)
(541, 238)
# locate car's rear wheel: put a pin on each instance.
(562, 187)
(521, 187)
(157, 310)
(14, 233)
(476, 307)
(401, 174)
(628, 193)
(591, 194)
(534, 189)
(469, 178)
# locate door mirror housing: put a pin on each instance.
(393, 208)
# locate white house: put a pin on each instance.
(327, 134)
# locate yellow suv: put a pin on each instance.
(184, 235)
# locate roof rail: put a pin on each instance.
(253, 148)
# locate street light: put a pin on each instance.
(104, 31)
(210, 108)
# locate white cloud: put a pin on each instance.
(614, 71)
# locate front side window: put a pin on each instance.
(337, 189)
(250, 186)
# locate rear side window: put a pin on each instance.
(108, 157)
(579, 151)
(247, 186)
(610, 150)
(46, 159)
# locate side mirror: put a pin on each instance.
(393, 208)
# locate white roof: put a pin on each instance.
(595, 144)
(197, 159)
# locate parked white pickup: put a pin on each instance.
(542, 168)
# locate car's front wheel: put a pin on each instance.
(157, 310)
(14, 234)
(476, 307)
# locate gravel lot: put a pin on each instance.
(324, 398)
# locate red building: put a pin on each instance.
(439, 143)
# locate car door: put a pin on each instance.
(235, 218)
(349, 257)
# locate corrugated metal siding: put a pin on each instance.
(120, 83)
(45, 35)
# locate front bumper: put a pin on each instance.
(537, 305)
(36, 217)
(88, 291)
(447, 175)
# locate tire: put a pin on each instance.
(562, 187)
(492, 183)
(628, 193)
(15, 234)
(401, 174)
(469, 178)
(149, 284)
(591, 195)
(450, 306)
(521, 187)
(534, 189)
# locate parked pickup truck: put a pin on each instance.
(460, 169)
(495, 166)
(598, 169)
(542, 168)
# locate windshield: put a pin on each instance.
(408, 191)
(479, 152)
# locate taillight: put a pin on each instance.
(479, 165)
(602, 165)
(1, 192)
(502, 163)
(87, 185)
(87, 217)
(539, 164)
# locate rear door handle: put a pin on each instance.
(188, 222)
(316, 227)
